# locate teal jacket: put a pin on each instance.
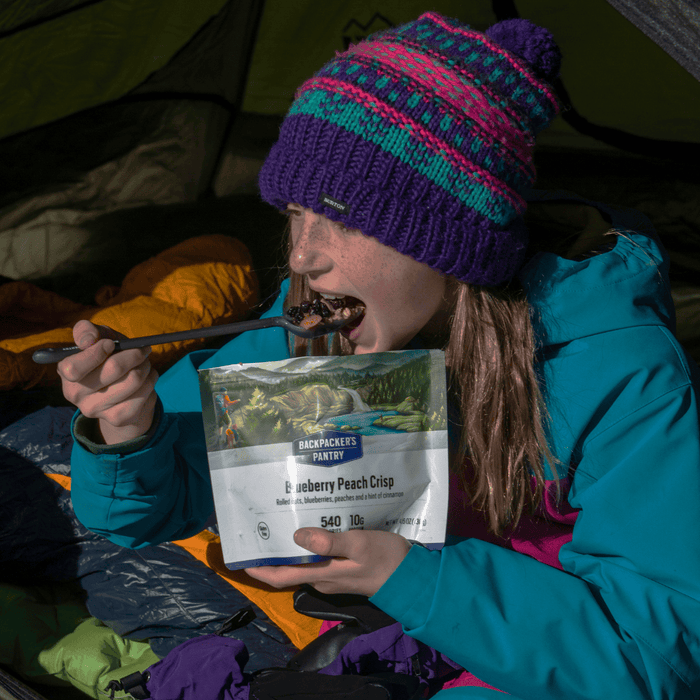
(618, 614)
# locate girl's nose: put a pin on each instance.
(309, 245)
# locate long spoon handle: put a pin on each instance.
(47, 356)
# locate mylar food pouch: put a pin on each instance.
(348, 442)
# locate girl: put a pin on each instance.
(571, 569)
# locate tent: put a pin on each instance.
(109, 105)
(127, 127)
(131, 135)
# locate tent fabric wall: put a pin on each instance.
(157, 146)
(616, 75)
(180, 133)
(673, 24)
(55, 63)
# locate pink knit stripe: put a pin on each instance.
(449, 88)
(471, 34)
(438, 146)
(521, 153)
(472, 79)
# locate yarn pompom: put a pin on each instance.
(532, 43)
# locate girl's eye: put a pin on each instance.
(347, 230)
(343, 228)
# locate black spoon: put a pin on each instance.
(47, 356)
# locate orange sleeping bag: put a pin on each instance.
(203, 281)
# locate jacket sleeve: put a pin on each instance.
(623, 617)
(163, 491)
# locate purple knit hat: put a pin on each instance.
(422, 136)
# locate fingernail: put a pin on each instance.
(87, 341)
(302, 536)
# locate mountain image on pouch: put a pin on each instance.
(274, 402)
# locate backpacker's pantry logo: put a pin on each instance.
(327, 448)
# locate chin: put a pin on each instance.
(358, 350)
(372, 337)
(380, 345)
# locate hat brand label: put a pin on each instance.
(334, 203)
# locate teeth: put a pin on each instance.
(329, 296)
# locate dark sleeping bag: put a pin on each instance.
(61, 584)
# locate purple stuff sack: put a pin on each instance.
(365, 656)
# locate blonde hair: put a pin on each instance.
(491, 359)
(490, 355)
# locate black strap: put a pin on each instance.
(134, 684)
(239, 619)
(340, 607)
(285, 684)
(355, 614)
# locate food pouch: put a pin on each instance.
(358, 441)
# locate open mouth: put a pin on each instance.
(346, 307)
(328, 309)
(352, 306)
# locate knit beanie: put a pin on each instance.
(422, 137)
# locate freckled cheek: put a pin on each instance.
(420, 300)
(368, 277)
(384, 293)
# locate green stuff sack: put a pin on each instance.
(47, 637)
(93, 655)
